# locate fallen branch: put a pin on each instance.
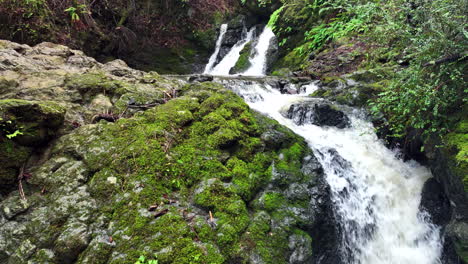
(451, 58)
(145, 106)
(20, 183)
(161, 213)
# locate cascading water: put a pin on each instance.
(213, 57)
(225, 65)
(376, 195)
(258, 62)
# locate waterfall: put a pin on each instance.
(212, 60)
(231, 58)
(375, 194)
(258, 62)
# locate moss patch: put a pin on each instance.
(457, 141)
(243, 62)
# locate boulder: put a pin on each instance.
(318, 114)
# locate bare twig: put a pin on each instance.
(121, 114)
(20, 183)
(451, 58)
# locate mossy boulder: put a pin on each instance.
(347, 91)
(195, 180)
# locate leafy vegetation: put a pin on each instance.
(428, 37)
(429, 93)
(120, 25)
(5, 129)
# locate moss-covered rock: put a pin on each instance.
(243, 63)
(348, 92)
(199, 179)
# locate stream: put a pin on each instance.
(375, 195)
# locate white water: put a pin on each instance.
(213, 57)
(258, 62)
(231, 58)
(376, 195)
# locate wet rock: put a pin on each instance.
(283, 85)
(243, 63)
(200, 78)
(12, 157)
(435, 202)
(289, 89)
(456, 244)
(302, 249)
(99, 250)
(272, 54)
(318, 114)
(311, 166)
(297, 191)
(274, 139)
(55, 73)
(326, 232)
(45, 256)
(90, 191)
(37, 121)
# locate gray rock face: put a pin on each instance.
(51, 72)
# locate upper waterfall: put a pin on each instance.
(212, 60)
(225, 65)
(258, 62)
(258, 54)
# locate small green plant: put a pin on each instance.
(143, 260)
(5, 128)
(75, 11)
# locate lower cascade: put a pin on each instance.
(375, 195)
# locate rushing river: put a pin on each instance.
(375, 194)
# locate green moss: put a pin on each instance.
(462, 249)
(272, 201)
(457, 142)
(243, 62)
(293, 60)
(31, 109)
(204, 148)
(282, 72)
(206, 37)
(94, 81)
